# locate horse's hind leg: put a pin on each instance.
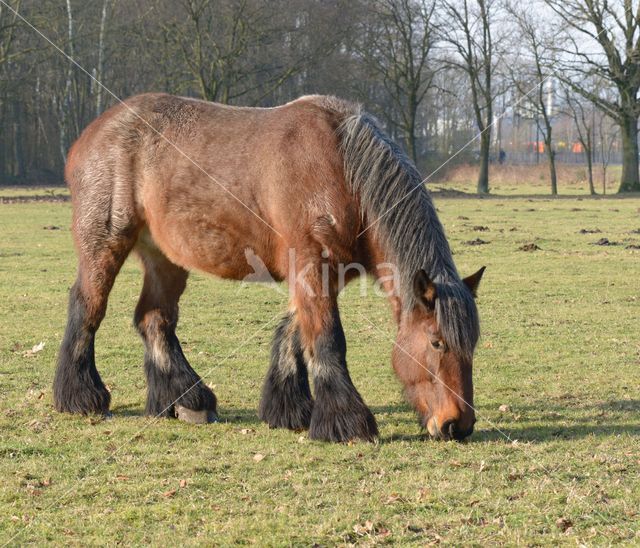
(286, 398)
(77, 387)
(174, 388)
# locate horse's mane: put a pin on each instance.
(393, 196)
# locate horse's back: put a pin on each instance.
(211, 180)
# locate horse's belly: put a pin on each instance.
(220, 250)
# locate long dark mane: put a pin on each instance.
(401, 214)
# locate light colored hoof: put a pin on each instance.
(195, 417)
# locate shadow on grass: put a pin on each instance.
(558, 422)
(130, 410)
(232, 415)
(568, 422)
(552, 422)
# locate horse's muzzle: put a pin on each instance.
(449, 430)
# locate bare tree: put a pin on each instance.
(98, 72)
(584, 117)
(223, 46)
(469, 28)
(533, 72)
(398, 44)
(64, 103)
(8, 24)
(613, 27)
(607, 137)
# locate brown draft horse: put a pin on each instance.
(189, 184)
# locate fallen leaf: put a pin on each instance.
(37, 426)
(169, 494)
(393, 498)
(34, 350)
(504, 408)
(246, 431)
(563, 523)
(183, 483)
(258, 457)
(363, 529)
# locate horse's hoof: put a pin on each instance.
(195, 417)
(341, 422)
(107, 415)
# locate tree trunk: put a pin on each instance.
(592, 189)
(18, 153)
(100, 71)
(630, 181)
(65, 103)
(411, 138)
(548, 144)
(551, 155)
(483, 175)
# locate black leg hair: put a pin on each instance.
(175, 383)
(171, 381)
(339, 413)
(286, 397)
(77, 386)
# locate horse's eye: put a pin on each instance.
(437, 345)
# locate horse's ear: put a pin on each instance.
(425, 289)
(473, 281)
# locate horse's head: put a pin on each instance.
(434, 354)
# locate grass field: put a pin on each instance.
(555, 458)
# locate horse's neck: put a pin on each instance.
(382, 265)
(385, 266)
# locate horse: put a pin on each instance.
(307, 186)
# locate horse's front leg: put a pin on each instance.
(339, 412)
(286, 397)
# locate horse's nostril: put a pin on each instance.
(448, 429)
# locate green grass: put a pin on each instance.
(33, 191)
(560, 348)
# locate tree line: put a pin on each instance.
(441, 75)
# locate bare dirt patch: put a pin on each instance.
(605, 241)
(477, 241)
(530, 247)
